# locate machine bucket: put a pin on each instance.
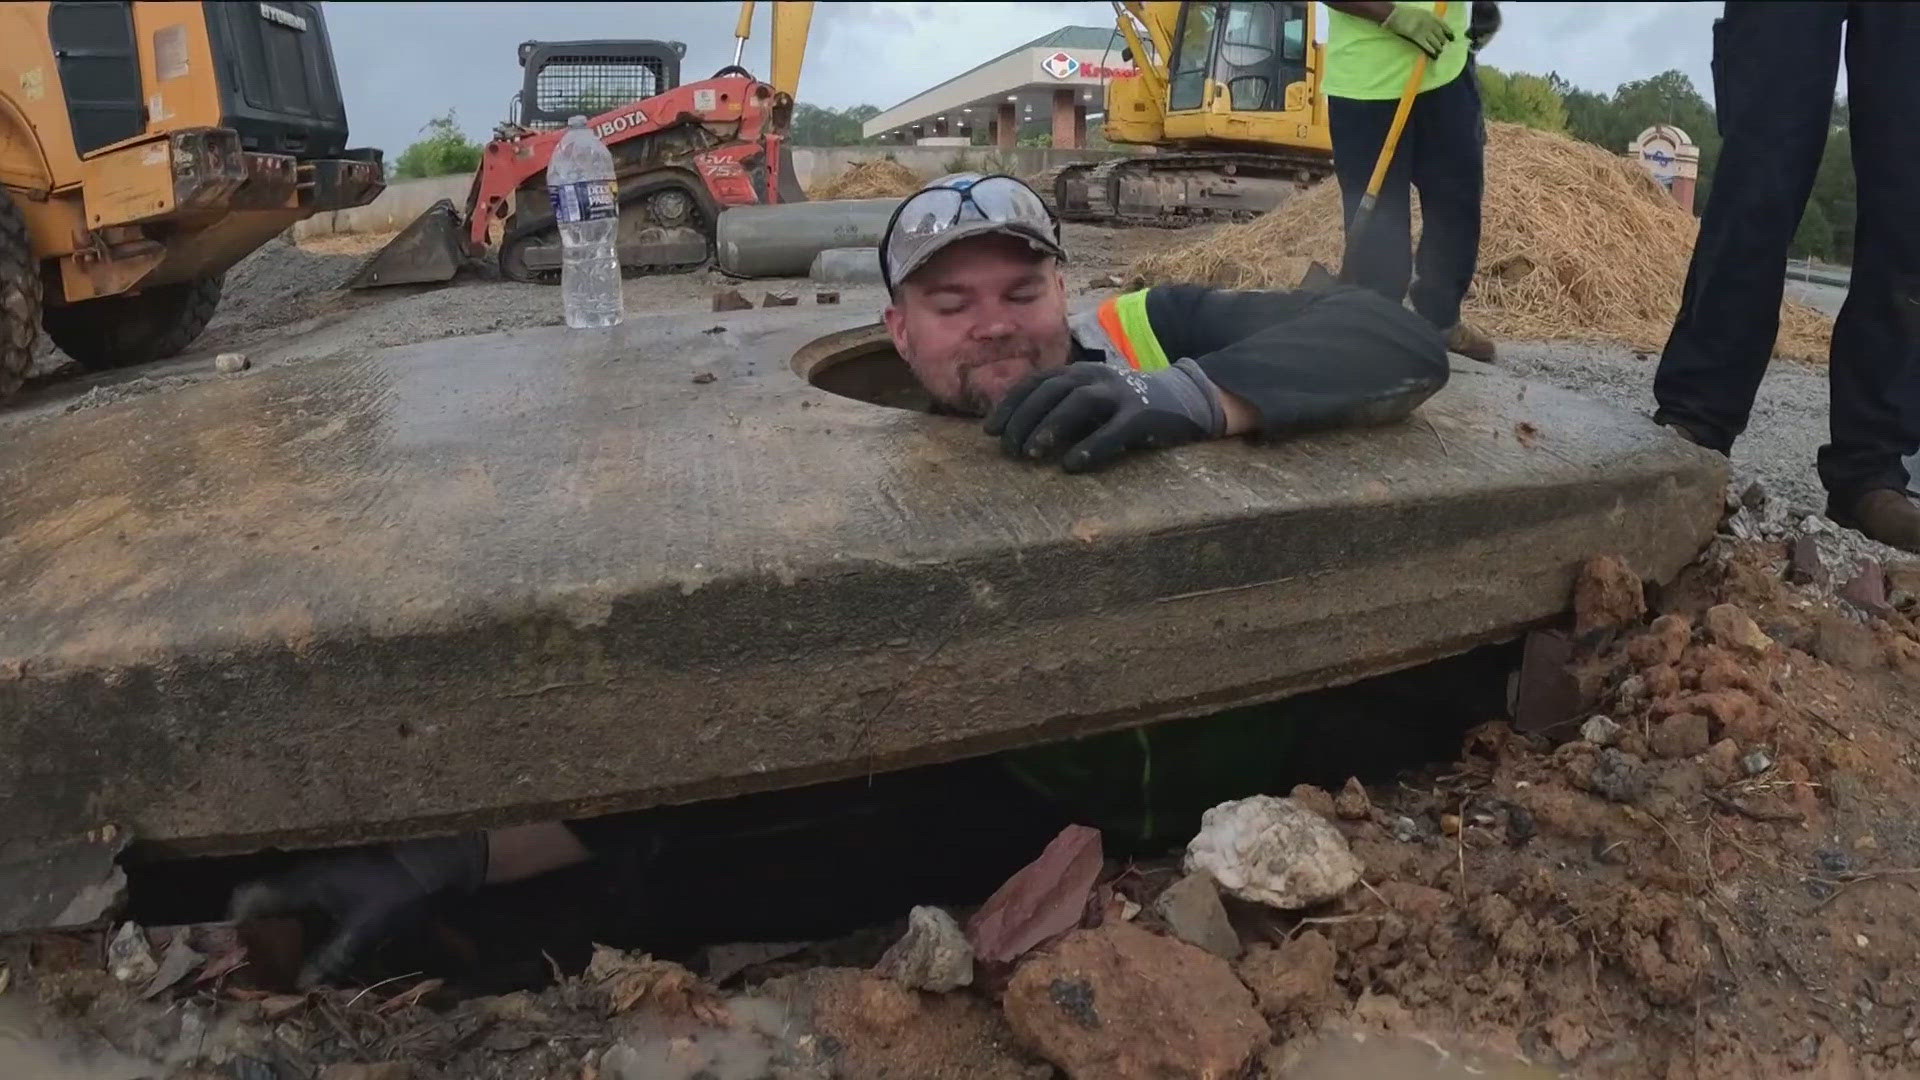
(429, 249)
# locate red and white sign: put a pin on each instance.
(1062, 65)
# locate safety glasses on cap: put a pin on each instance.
(956, 207)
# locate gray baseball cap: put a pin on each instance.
(959, 205)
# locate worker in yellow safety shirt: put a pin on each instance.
(1371, 50)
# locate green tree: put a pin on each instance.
(1814, 239)
(1521, 98)
(1588, 113)
(815, 125)
(1835, 195)
(443, 151)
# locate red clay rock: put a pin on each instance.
(1607, 595)
(1845, 644)
(1734, 629)
(1663, 643)
(1119, 1003)
(1042, 900)
(1295, 979)
(1420, 904)
(1681, 736)
(1722, 763)
(1314, 799)
(1352, 803)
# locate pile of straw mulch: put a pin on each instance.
(1575, 243)
(876, 179)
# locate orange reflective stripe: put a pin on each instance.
(1117, 333)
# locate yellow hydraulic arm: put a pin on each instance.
(792, 19)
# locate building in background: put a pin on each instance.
(1671, 158)
(1059, 78)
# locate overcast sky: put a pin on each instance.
(401, 63)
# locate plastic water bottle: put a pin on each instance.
(586, 206)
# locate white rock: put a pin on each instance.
(1273, 851)
(230, 362)
(129, 957)
(932, 955)
(1600, 731)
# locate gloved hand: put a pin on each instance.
(1427, 31)
(1095, 412)
(368, 894)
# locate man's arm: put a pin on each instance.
(1228, 363)
(1304, 360)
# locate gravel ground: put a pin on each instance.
(1788, 426)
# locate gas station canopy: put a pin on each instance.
(1058, 77)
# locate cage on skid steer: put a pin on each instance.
(682, 154)
(145, 148)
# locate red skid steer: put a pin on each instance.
(682, 154)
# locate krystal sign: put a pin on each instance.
(1062, 66)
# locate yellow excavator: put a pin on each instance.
(1229, 93)
(145, 148)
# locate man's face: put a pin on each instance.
(979, 316)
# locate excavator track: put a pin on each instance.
(645, 249)
(1176, 190)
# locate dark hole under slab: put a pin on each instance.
(825, 861)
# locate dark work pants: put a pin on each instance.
(1441, 152)
(1774, 69)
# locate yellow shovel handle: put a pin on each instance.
(1407, 95)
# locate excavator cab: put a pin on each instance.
(1226, 73)
(1229, 92)
(1246, 53)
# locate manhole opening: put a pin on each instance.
(862, 364)
(840, 864)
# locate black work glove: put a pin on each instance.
(368, 894)
(1090, 413)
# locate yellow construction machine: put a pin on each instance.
(145, 148)
(1229, 93)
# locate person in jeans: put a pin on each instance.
(1774, 68)
(1371, 50)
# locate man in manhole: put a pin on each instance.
(973, 266)
(979, 312)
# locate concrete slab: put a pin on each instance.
(538, 573)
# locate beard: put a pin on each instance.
(982, 373)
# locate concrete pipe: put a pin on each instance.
(781, 240)
(847, 266)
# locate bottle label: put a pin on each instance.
(585, 200)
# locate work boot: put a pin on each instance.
(1682, 431)
(1470, 343)
(1882, 514)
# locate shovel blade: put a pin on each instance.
(429, 249)
(1318, 277)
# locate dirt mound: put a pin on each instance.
(880, 178)
(1575, 243)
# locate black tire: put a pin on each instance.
(19, 299)
(115, 331)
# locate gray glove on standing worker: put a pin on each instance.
(1090, 413)
(1427, 31)
(367, 895)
